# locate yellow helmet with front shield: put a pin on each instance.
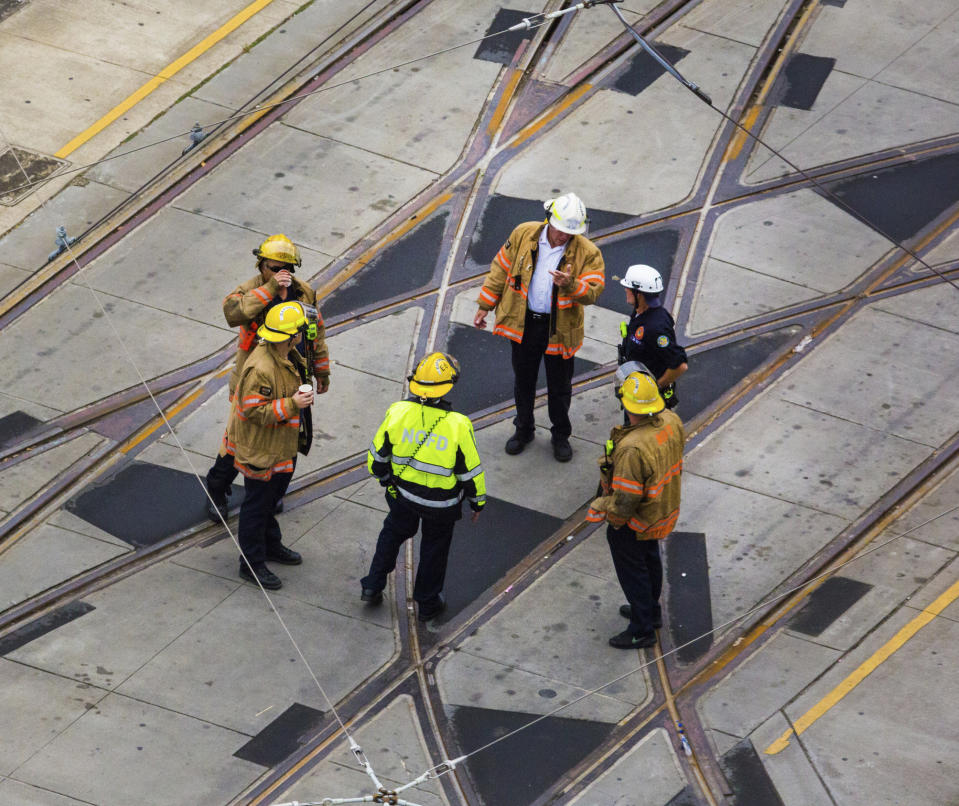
(638, 390)
(282, 322)
(279, 247)
(435, 375)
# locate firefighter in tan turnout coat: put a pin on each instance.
(245, 307)
(640, 481)
(263, 435)
(537, 285)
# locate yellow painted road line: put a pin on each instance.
(169, 413)
(507, 96)
(740, 137)
(524, 134)
(875, 660)
(167, 72)
(395, 234)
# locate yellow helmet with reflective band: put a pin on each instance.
(282, 322)
(279, 247)
(640, 394)
(435, 375)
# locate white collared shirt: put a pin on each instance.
(540, 296)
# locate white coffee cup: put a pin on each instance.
(306, 389)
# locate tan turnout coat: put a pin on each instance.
(506, 287)
(644, 480)
(262, 432)
(244, 308)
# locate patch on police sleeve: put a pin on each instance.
(663, 341)
(266, 391)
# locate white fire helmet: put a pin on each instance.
(644, 279)
(567, 214)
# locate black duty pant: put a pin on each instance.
(559, 378)
(222, 474)
(399, 526)
(640, 573)
(258, 525)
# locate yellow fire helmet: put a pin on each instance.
(279, 247)
(282, 322)
(640, 394)
(435, 375)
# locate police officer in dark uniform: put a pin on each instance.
(650, 336)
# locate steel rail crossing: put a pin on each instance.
(185, 389)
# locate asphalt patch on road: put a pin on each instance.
(502, 43)
(486, 369)
(142, 503)
(803, 79)
(689, 610)
(15, 161)
(283, 736)
(41, 626)
(748, 778)
(483, 552)
(714, 372)
(502, 214)
(902, 200)
(656, 248)
(685, 798)
(827, 603)
(517, 770)
(643, 69)
(399, 270)
(15, 426)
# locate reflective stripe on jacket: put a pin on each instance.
(263, 429)
(428, 453)
(246, 306)
(511, 272)
(644, 480)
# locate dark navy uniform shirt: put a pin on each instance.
(651, 338)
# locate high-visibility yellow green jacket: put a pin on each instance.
(245, 307)
(506, 287)
(641, 470)
(427, 453)
(262, 432)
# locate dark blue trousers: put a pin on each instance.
(222, 474)
(640, 573)
(527, 356)
(258, 525)
(399, 526)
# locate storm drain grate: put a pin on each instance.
(14, 161)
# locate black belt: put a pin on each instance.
(538, 316)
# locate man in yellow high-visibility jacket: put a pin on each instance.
(425, 454)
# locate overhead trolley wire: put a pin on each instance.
(448, 765)
(695, 89)
(528, 23)
(354, 747)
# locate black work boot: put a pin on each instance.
(218, 506)
(267, 578)
(430, 613)
(562, 452)
(518, 441)
(626, 640)
(371, 597)
(281, 554)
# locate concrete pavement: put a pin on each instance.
(174, 683)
